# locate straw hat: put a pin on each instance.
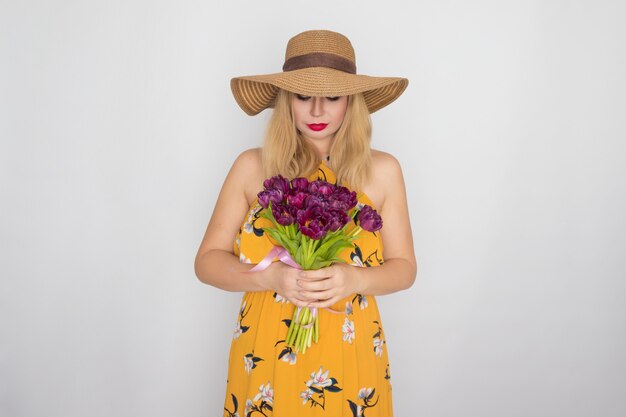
(317, 63)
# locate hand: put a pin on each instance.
(324, 287)
(282, 279)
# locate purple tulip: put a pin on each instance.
(343, 199)
(296, 199)
(314, 200)
(266, 196)
(314, 230)
(300, 184)
(369, 219)
(282, 214)
(337, 219)
(303, 217)
(321, 187)
(277, 182)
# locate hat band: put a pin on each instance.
(320, 59)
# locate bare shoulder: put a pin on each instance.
(248, 160)
(386, 177)
(385, 163)
(396, 232)
(232, 204)
(248, 171)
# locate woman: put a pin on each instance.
(320, 128)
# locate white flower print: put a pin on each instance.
(348, 330)
(318, 386)
(366, 398)
(319, 379)
(363, 302)
(289, 357)
(365, 392)
(249, 405)
(248, 364)
(279, 298)
(239, 328)
(266, 393)
(356, 261)
(378, 346)
(243, 259)
(305, 395)
(348, 308)
(237, 332)
(248, 227)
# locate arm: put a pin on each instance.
(400, 267)
(215, 262)
(326, 286)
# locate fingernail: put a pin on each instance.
(303, 274)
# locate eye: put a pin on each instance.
(303, 98)
(333, 98)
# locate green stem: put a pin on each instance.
(356, 231)
(303, 250)
(307, 253)
(294, 337)
(301, 330)
(299, 339)
(291, 328)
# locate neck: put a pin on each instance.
(322, 148)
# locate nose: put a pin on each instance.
(317, 106)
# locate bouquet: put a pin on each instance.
(314, 222)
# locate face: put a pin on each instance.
(318, 118)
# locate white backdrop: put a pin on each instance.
(117, 128)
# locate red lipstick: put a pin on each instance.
(318, 126)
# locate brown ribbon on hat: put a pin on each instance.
(320, 59)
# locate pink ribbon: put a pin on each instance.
(285, 257)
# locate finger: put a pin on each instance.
(324, 303)
(316, 274)
(316, 295)
(299, 302)
(319, 285)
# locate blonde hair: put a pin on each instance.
(285, 152)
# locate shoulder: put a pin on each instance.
(385, 163)
(248, 160)
(247, 165)
(387, 178)
(248, 170)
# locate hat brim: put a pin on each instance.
(255, 93)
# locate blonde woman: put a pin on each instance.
(320, 128)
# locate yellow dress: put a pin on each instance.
(345, 374)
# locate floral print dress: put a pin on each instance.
(345, 374)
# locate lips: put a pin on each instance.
(317, 126)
